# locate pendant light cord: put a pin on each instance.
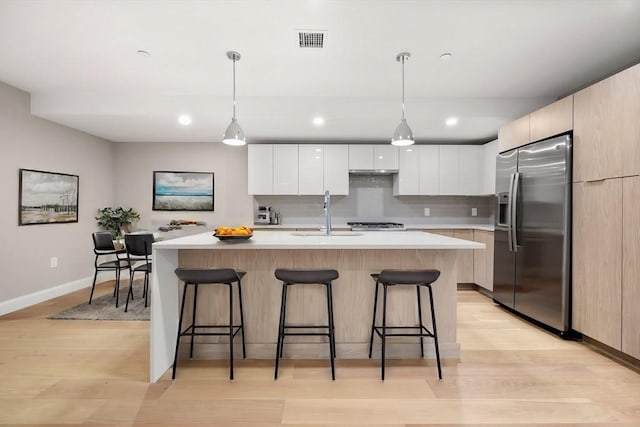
(403, 87)
(234, 87)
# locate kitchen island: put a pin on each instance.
(354, 255)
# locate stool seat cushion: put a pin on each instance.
(407, 277)
(305, 276)
(209, 275)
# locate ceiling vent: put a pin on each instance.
(311, 39)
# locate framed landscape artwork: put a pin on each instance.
(47, 197)
(182, 191)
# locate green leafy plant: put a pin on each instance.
(116, 220)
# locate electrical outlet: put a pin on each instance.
(474, 211)
(427, 212)
(53, 262)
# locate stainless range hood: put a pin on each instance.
(372, 171)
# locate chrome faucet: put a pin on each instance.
(327, 213)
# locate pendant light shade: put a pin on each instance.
(403, 135)
(234, 134)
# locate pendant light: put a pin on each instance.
(403, 135)
(234, 134)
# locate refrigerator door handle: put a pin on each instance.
(514, 211)
(510, 214)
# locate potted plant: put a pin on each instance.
(116, 220)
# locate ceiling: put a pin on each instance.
(79, 61)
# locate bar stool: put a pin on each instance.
(205, 276)
(419, 278)
(290, 277)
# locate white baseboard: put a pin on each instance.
(28, 300)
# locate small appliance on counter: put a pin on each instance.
(264, 215)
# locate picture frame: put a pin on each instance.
(47, 197)
(183, 191)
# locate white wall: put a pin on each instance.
(33, 143)
(136, 161)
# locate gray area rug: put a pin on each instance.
(104, 307)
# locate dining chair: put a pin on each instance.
(103, 247)
(138, 248)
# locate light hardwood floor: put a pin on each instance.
(95, 373)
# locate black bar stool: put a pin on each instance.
(419, 278)
(290, 277)
(205, 276)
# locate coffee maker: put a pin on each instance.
(264, 215)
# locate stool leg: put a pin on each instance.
(193, 319)
(420, 320)
(145, 290)
(435, 333)
(130, 293)
(384, 325)
(330, 323)
(117, 286)
(280, 330)
(175, 356)
(333, 327)
(284, 319)
(373, 322)
(93, 287)
(230, 330)
(244, 348)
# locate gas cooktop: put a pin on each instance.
(376, 226)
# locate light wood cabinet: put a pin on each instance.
(606, 128)
(465, 257)
(551, 120)
(514, 134)
(483, 260)
(597, 255)
(631, 266)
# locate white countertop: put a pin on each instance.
(485, 227)
(264, 239)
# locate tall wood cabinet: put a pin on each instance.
(597, 255)
(551, 120)
(514, 134)
(483, 260)
(631, 266)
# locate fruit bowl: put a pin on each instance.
(233, 234)
(233, 237)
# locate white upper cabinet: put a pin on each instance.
(407, 181)
(490, 151)
(429, 169)
(260, 168)
(311, 169)
(360, 157)
(449, 172)
(336, 169)
(385, 157)
(363, 157)
(285, 169)
(471, 167)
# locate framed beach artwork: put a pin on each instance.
(47, 197)
(182, 191)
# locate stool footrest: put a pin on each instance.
(306, 326)
(426, 333)
(187, 331)
(305, 334)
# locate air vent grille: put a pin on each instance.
(311, 39)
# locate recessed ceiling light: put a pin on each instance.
(451, 121)
(184, 119)
(143, 53)
(446, 56)
(318, 121)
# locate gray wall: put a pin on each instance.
(136, 161)
(33, 143)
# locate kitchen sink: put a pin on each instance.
(321, 234)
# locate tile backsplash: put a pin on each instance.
(371, 199)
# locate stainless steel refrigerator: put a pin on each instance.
(532, 252)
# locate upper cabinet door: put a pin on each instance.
(407, 181)
(429, 169)
(336, 169)
(385, 157)
(606, 128)
(514, 134)
(311, 169)
(552, 120)
(490, 152)
(449, 173)
(360, 157)
(260, 168)
(285, 169)
(470, 164)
